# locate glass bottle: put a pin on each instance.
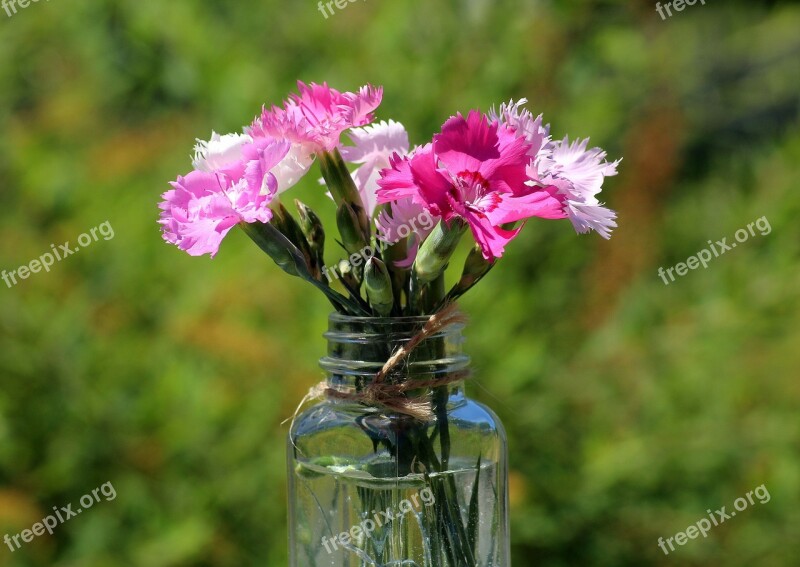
(369, 487)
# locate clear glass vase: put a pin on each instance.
(369, 487)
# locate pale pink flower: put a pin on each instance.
(203, 206)
(220, 153)
(372, 147)
(522, 121)
(293, 167)
(316, 117)
(577, 172)
(477, 171)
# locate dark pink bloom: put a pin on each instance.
(475, 170)
(316, 117)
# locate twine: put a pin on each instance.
(392, 396)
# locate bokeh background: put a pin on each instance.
(632, 407)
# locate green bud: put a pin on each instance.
(313, 231)
(349, 276)
(379, 286)
(475, 267)
(290, 227)
(343, 188)
(310, 223)
(435, 252)
(352, 236)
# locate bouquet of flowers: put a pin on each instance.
(401, 212)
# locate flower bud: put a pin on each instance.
(378, 285)
(290, 260)
(289, 226)
(313, 231)
(310, 223)
(343, 188)
(435, 252)
(349, 276)
(475, 267)
(352, 236)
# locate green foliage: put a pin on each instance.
(632, 407)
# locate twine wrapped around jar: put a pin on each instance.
(392, 396)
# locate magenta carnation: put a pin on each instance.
(316, 118)
(475, 170)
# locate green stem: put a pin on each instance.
(291, 260)
(432, 295)
(343, 188)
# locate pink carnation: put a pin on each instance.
(203, 206)
(477, 171)
(316, 118)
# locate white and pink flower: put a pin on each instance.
(576, 171)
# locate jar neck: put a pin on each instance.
(358, 348)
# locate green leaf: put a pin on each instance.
(473, 516)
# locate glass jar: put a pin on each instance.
(370, 487)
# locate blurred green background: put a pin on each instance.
(632, 407)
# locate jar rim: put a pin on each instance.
(360, 328)
(341, 317)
